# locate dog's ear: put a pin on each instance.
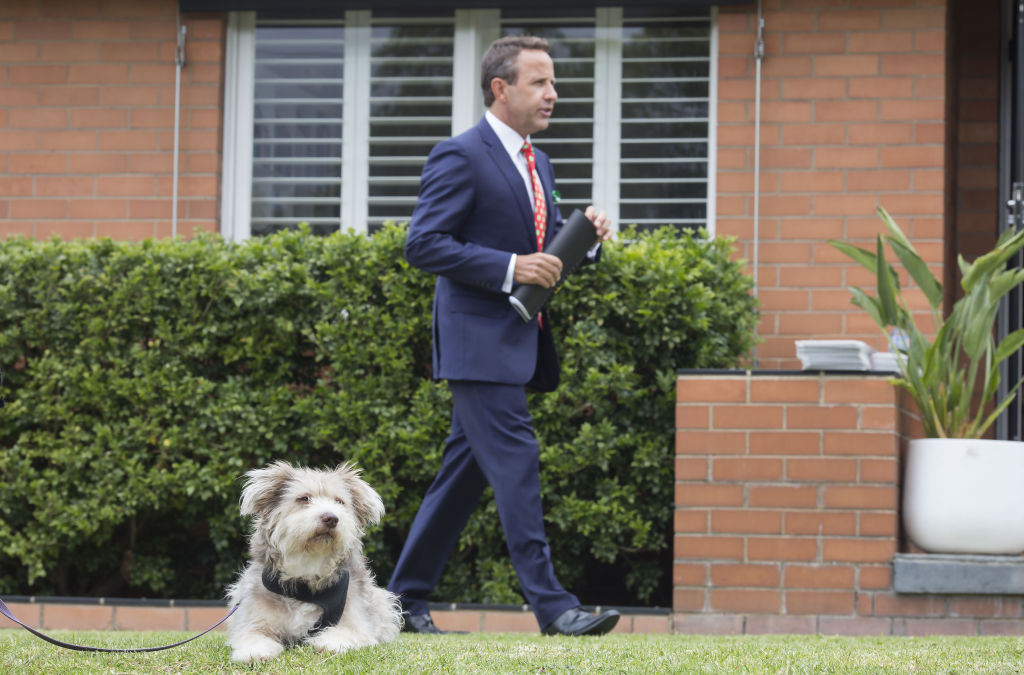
(366, 503)
(264, 488)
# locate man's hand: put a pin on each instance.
(539, 269)
(601, 223)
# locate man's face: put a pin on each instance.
(531, 99)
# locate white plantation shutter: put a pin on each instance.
(345, 112)
(665, 117)
(411, 62)
(298, 105)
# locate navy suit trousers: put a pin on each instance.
(491, 442)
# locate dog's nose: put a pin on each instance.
(329, 519)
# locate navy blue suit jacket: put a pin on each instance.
(473, 212)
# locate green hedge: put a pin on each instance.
(142, 380)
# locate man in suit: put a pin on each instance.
(485, 209)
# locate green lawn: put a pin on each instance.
(21, 653)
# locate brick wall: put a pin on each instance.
(853, 115)
(87, 119)
(787, 518)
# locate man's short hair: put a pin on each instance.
(501, 60)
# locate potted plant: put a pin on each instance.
(961, 493)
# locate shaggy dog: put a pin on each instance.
(307, 579)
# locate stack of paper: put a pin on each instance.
(834, 354)
(885, 362)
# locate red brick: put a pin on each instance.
(689, 574)
(841, 625)
(688, 600)
(38, 208)
(886, 604)
(690, 442)
(923, 627)
(912, 157)
(37, 163)
(875, 577)
(784, 496)
(746, 521)
(690, 520)
(813, 88)
(858, 550)
(878, 524)
(96, 163)
(746, 469)
(876, 180)
(470, 621)
(880, 134)
(821, 417)
(821, 469)
(67, 140)
(845, 111)
(819, 576)
(820, 523)
(707, 624)
(29, 614)
(819, 602)
(859, 390)
(708, 548)
(744, 575)
(747, 600)
(692, 417)
(650, 625)
(1001, 627)
(747, 416)
(689, 468)
(201, 618)
(860, 443)
(149, 618)
(124, 186)
(782, 549)
(701, 494)
(98, 208)
(78, 617)
(766, 624)
(985, 607)
(784, 390)
(785, 443)
(879, 470)
(711, 389)
(860, 497)
(510, 622)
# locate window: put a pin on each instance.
(329, 121)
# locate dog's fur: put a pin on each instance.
(308, 527)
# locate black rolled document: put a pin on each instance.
(576, 237)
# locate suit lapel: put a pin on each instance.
(511, 174)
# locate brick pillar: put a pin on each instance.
(786, 501)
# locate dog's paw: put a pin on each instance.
(253, 648)
(338, 640)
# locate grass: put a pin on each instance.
(22, 653)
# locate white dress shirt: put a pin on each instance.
(513, 144)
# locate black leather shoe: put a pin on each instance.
(577, 622)
(422, 623)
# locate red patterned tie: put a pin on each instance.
(540, 211)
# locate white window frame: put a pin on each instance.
(474, 30)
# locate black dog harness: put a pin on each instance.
(330, 599)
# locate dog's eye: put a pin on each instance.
(304, 499)
(340, 500)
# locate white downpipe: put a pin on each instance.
(758, 58)
(179, 61)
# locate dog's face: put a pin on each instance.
(307, 517)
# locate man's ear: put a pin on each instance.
(499, 87)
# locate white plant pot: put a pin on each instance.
(965, 496)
